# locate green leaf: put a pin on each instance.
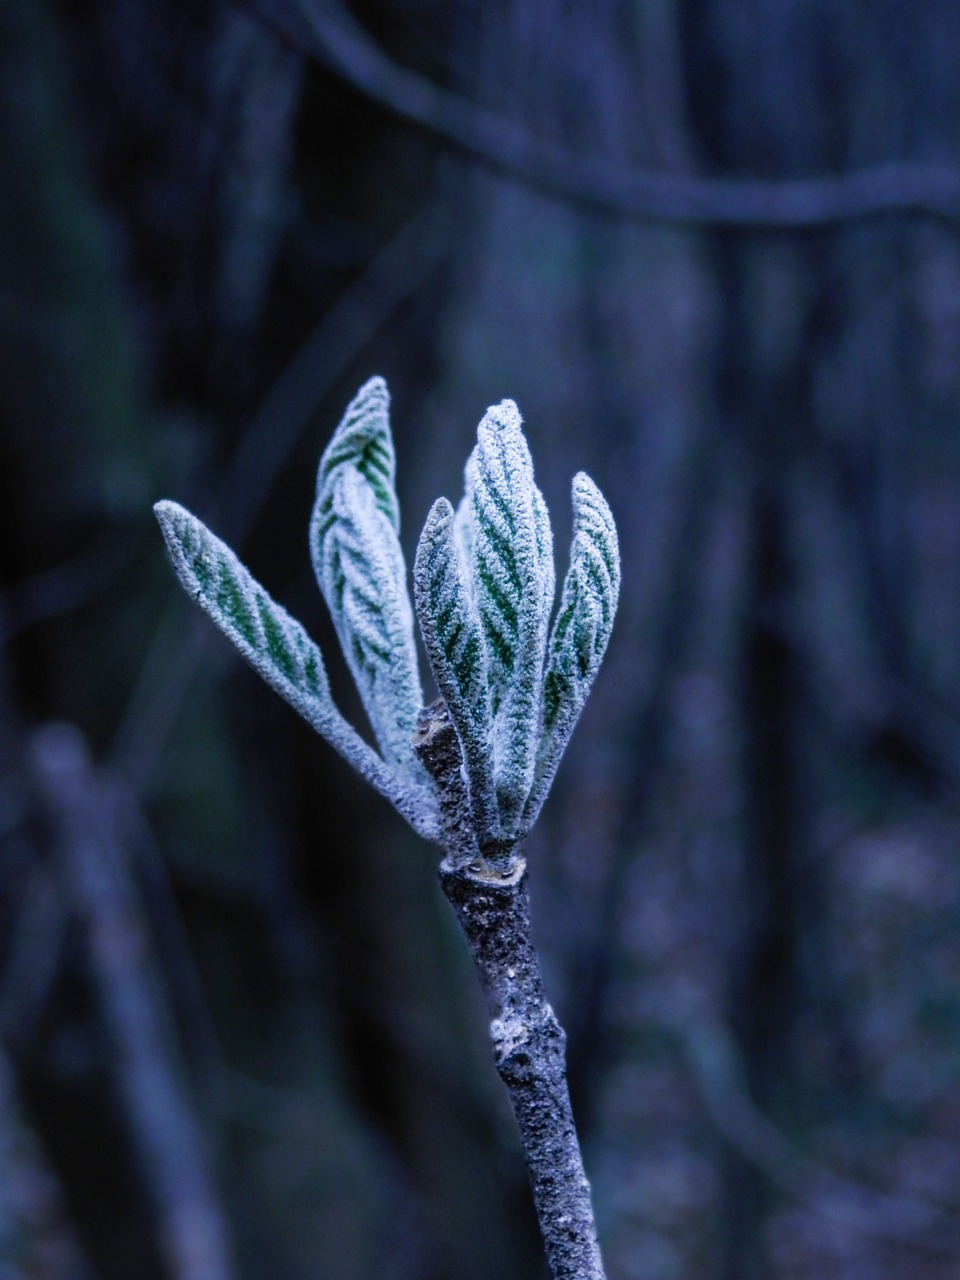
(457, 652)
(361, 572)
(363, 440)
(278, 647)
(511, 548)
(580, 632)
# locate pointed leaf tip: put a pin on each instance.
(168, 513)
(504, 416)
(363, 440)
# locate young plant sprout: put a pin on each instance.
(471, 771)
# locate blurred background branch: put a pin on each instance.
(327, 31)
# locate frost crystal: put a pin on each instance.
(484, 586)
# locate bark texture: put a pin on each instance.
(529, 1045)
(529, 1050)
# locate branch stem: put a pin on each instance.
(529, 1051)
(529, 1045)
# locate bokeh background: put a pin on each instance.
(712, 248)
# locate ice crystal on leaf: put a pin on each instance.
(484, 587)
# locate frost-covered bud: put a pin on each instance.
(484, 587)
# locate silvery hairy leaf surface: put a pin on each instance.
(581, 630)
(456, 649)
(278, 647)
(360, 569)
(484, 585)
(508, 543)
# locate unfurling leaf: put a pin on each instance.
(360, 569)
(581, 630)
(505, 532)
(455, 647)
(277, 646)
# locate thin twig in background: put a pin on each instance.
(33, 956)
(66, 586)
(173, 1159)
(327, 32)
(644, 738)
(711, 1050)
